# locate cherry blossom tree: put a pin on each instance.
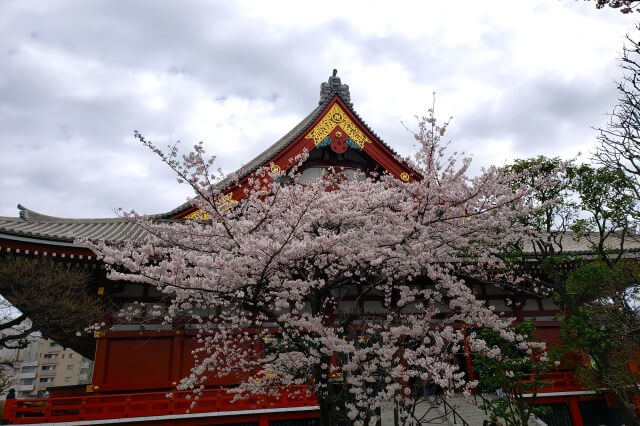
(351, 287)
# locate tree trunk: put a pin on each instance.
(523, 415)
(626, 408)
(327, 417)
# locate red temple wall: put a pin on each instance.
(147, 360)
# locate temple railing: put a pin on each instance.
(101, 407)
(564, 381)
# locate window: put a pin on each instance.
(84, 371)
(26, 381)
(30, 369)
(46, 380)
(69, 367)
(54, 346)
(67, 379)
(49, 368)
(71, 356)
(50, 356)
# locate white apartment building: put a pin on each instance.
(49, 365)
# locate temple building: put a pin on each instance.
(135, 364)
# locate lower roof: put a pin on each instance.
(31, 224)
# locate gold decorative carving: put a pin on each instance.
(275, 168)
(404, 176)
(328, 123)
(197, 215)
(226, 202)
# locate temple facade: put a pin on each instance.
(137, 362)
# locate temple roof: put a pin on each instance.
(582, 246)
(32, 224)
(328, 92)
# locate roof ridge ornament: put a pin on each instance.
(335, 86)
(24, 212)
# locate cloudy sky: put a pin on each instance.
(77, 77)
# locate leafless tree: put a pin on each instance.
(619, 146)
(46, 296)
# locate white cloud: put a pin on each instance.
(520, 79)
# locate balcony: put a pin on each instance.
(25, 388)
(83, 377)
(31, 375)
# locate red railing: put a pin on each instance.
(100, 407)
(565, 381)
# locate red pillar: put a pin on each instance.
(177, 344)
(574, 409)
(9, 412)
(100, 362)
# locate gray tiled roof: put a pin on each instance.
(31, 224)
(35, 225)
(573, 245)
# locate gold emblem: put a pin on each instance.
(404, 176)
(275, 168)
(328, 123)
(338, 134)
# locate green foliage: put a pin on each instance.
(515, 373)
(606, 195)
(587, 332)
(598, 282)
(598, 291)
(546, 198)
